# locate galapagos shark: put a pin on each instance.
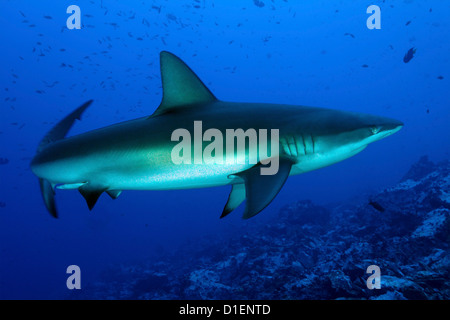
(138, 154)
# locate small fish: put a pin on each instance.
(171, 17)
(409, 55)
(408, 22)
(376, 206)
(365, 66)
(48, 85)
(258, 3)
(48, 17)
(2, 204)
(4, 161)
(349, 34)
(440, 77)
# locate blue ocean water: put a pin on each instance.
(315, 53)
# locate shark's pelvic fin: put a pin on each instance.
(48, 194)
(181, 86)
(260, 189)
(237, 195)
(91, 194)
(114, 194)
(58, 132)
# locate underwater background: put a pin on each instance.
(318, 236)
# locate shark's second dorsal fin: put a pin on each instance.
(181, 86)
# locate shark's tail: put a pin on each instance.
(58, 132)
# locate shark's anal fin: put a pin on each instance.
(261, 189)
(48, 194)
(237, 195)
(91, 194)
(181, 86)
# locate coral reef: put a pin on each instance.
(313, 252)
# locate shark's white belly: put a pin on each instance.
(320, 160)
(177, 177)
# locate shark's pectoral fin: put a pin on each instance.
(48, 193)
(181, 86)
(237, 195)
(114, 194)
(261, 189)
(91, 193)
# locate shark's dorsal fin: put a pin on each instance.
(181, 86)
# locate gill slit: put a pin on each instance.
(304, 144)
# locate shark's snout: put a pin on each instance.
(383, 127)
(392, 125)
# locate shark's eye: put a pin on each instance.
(374, 129)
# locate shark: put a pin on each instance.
(138, 154)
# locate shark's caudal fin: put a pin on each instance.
(181, 86)
(48, 194)
(259, 190)
(58, 132)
